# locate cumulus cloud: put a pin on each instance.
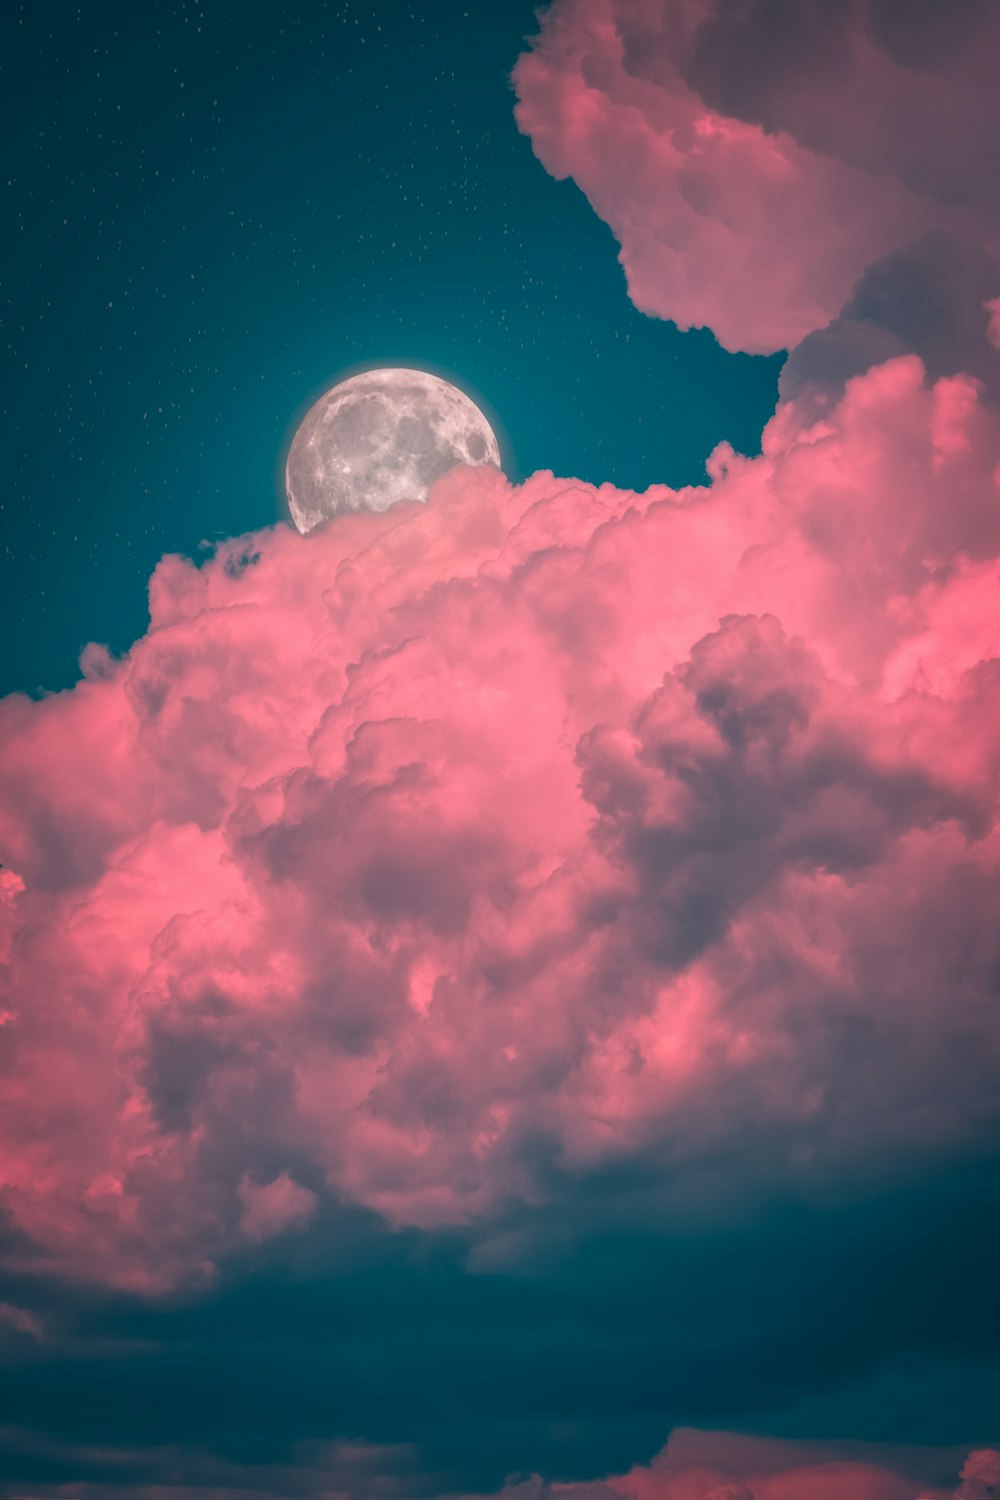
(753, 159)
(271, 1207)
(932, 298)
(980, 1476)
(446, 856)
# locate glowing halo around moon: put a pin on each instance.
(379, 437)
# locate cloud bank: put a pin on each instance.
(443, 858)
(727, 1466)
(694, 1465)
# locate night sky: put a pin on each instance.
(501, 994)
(217, 211)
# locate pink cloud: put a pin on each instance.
(269, 1208)
(752, 160)
(698, 1465)
(541, 813)
(724, 1466)
(980, 1476)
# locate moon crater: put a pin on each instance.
(380, 437)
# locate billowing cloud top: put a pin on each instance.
(447, 856)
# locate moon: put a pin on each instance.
(383, 436)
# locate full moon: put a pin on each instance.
(380, 437)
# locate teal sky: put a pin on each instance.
(216, 214)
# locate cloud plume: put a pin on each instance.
(754, 159)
